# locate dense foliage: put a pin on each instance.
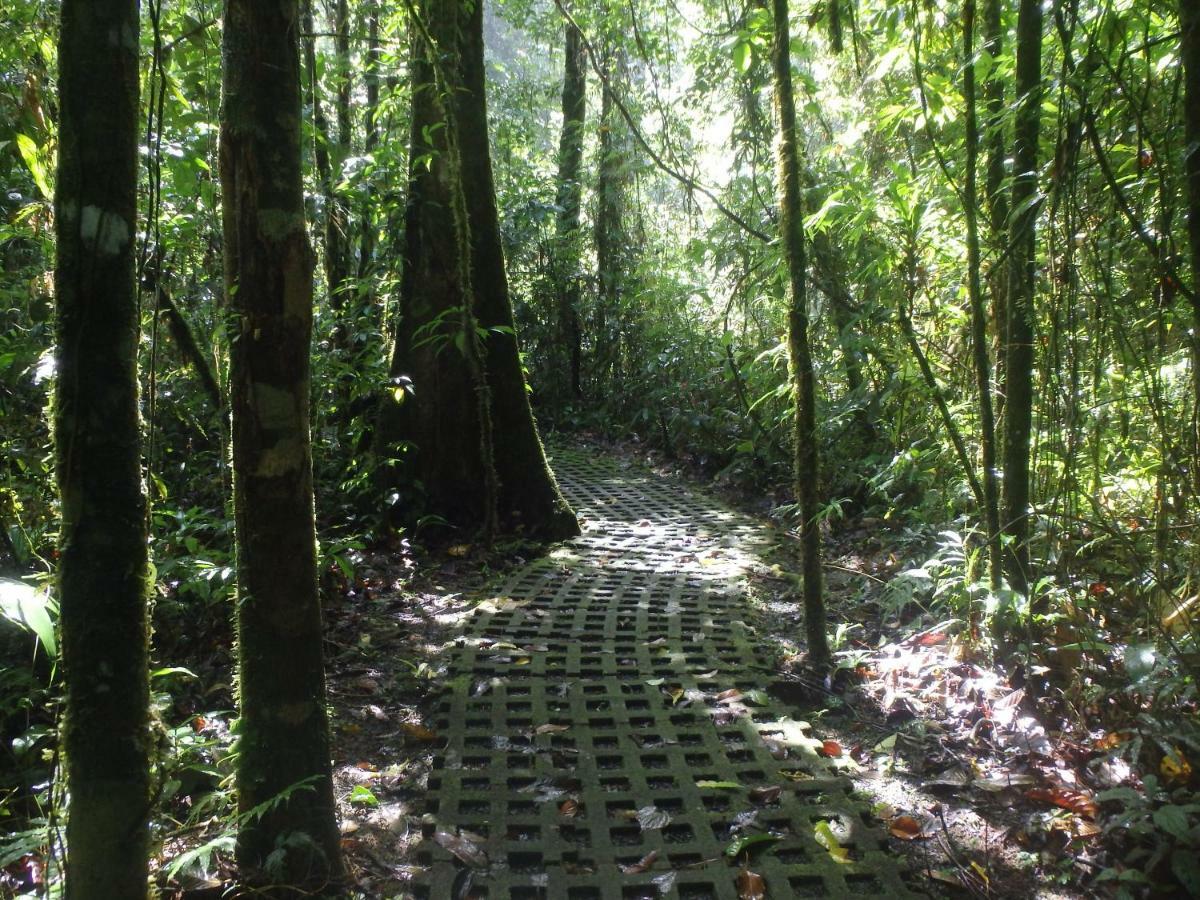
(680, 317)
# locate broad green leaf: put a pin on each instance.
(742, 56)
(32, 157)
(745, 841)
(826, 838)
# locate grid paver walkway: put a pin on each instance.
(606, 709)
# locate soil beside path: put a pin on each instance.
(605, 731)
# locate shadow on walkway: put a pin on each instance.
(608, 735)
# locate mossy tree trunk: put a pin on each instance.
(283, 739)
(612, 243)
(569, 200)
(103, 559)
(1019, 366)
(791, 226)
(1189, 25)
(466, 433)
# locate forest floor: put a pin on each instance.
(629, 716)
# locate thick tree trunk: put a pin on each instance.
(979, 339)
(570, 193)
(1018, 416)
(529, 495)
(283, 741)
(467, 429)
(1189, 24)
(791, 225)
(103, 577)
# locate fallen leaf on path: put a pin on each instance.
(750, 886)
(550, 728)
(462, 848)
(641, 865)
(826, 838)
(652, 818)
(831, 749)
(765, 795)
(907, 829)
(746, 841)
(1076, 801)
(569, 808)
(419, 732)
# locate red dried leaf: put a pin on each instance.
(832, 749)
(1076, 801)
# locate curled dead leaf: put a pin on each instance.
(462, 848)
(765, 795)
(569, 808)
(831, 749)
(751, 886)
(642, 865)
(1076, 801)
(906, 828)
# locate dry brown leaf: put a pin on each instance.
(751, 886)
(831, 748)
(642, 865)
(1076, 801)
(464, 849)
(569, 808)
(550, 728)
(906, 828)
(765, 795)
(419, 732)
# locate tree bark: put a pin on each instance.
(1189, 26)
(283, 769)
(979, 338)
(995, 141)
(467, 431)
(791, 225)
(1018, 416)
(610, 238)
(570, 193)
(103, 577)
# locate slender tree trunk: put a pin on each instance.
(791, 224)
(996, 144)
(611, 243)
(468, 430)
(1018, 417)
(1189, 24)
(334, 225)
(570, 192)
(103, 575)
(371, 79)
(979, 339)
(283, 770)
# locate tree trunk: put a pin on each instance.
(1189, 25)
(103, 577)
(371, 79)
(1018, 416)
(467, 429)
(611, 243)
(979, 339)
(791, 224)
(570, 192)
(283, 771)
(994, 139)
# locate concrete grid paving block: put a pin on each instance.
(583, 732)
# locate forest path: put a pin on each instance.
(608, 735)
